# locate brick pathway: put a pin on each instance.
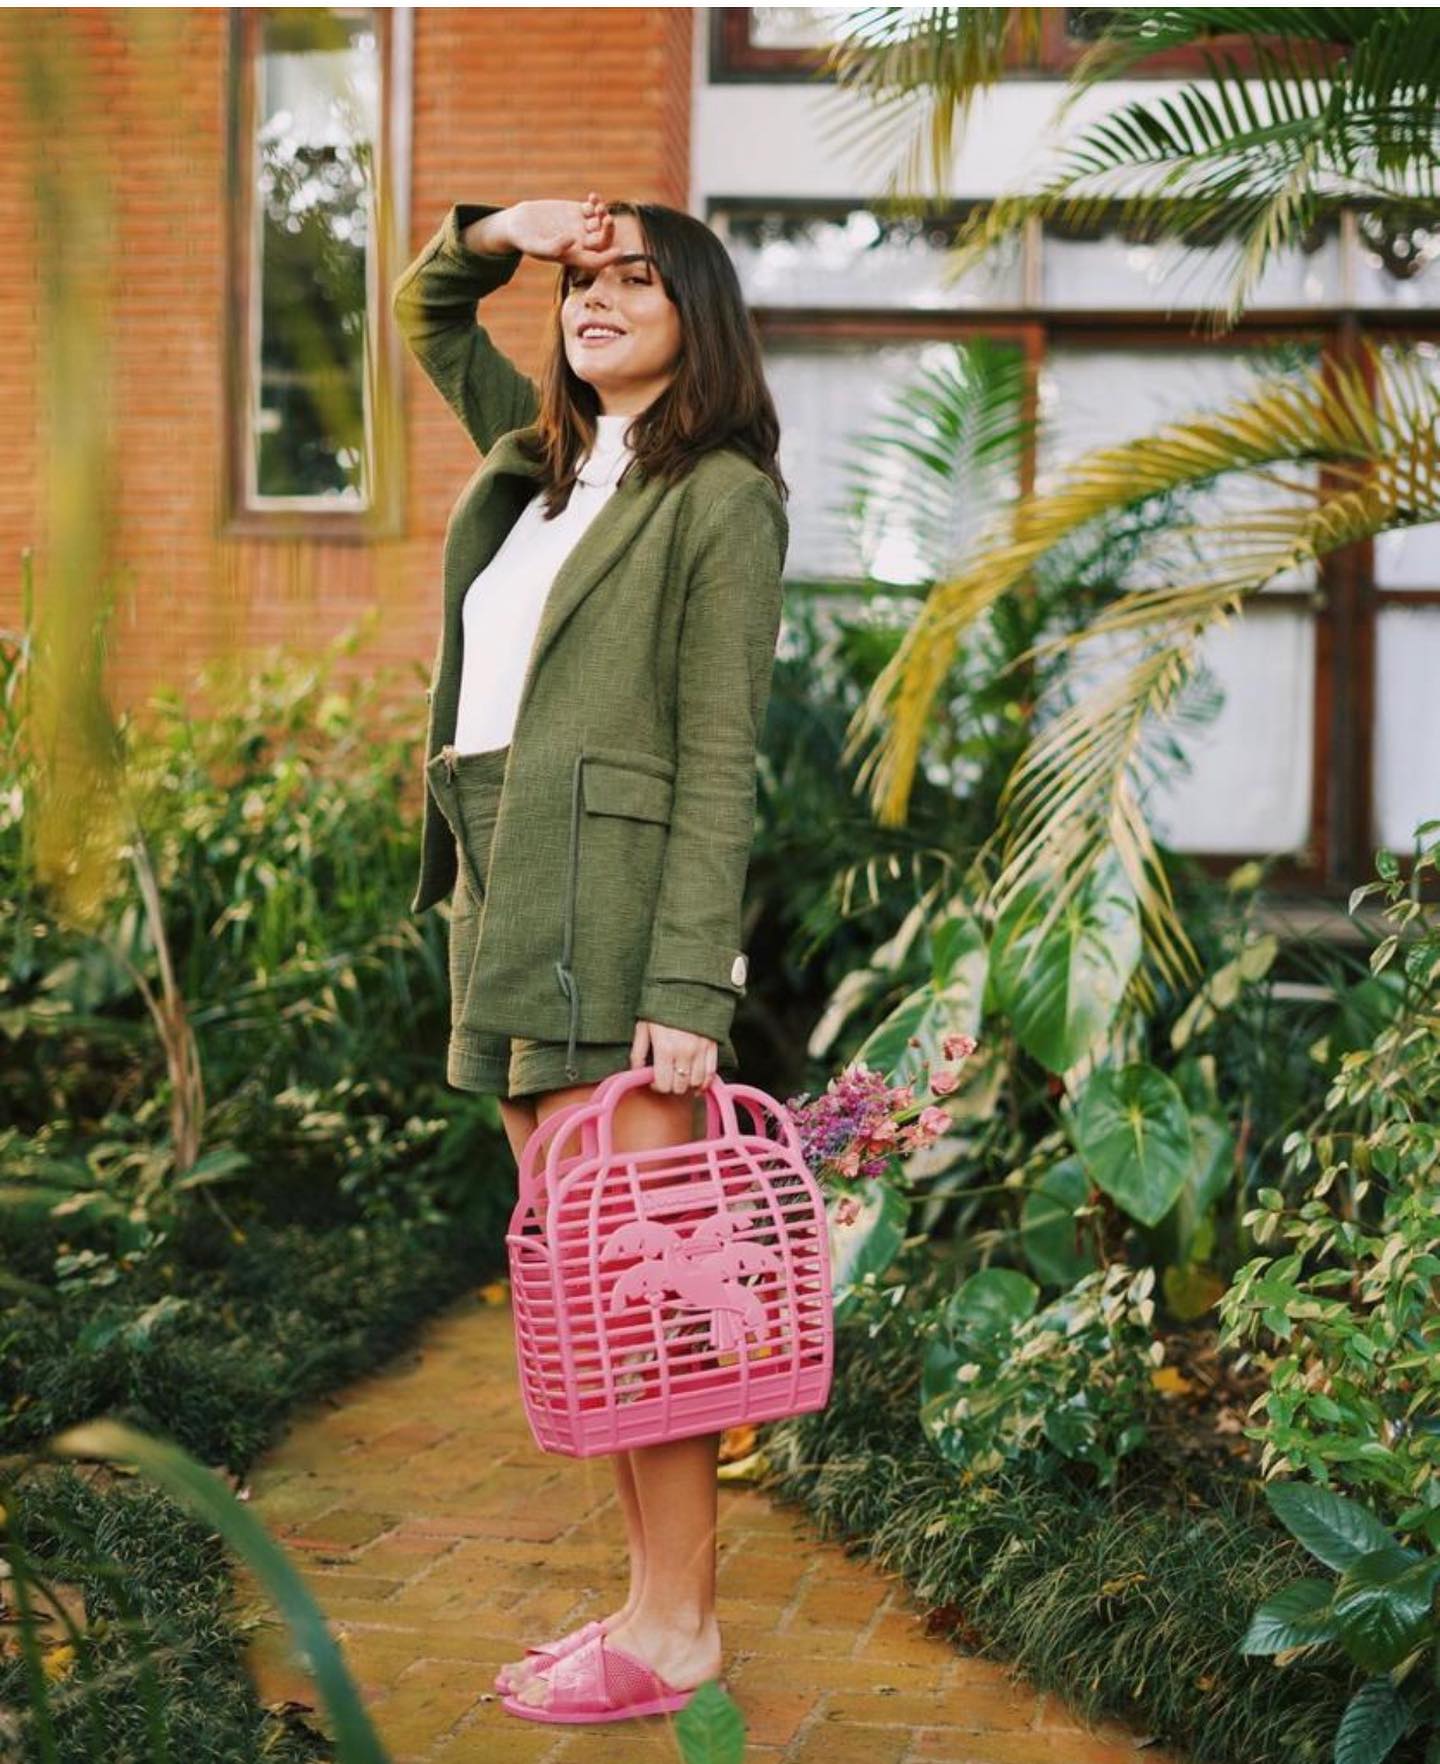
(438, 1539)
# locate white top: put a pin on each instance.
(503, 605)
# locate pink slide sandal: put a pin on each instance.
(599, 1682)
(551, 1651)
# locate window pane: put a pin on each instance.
(858, 259)
(1407, 722)
(1100, 267)
(318, 83)
(1097, 397)
(1410, 557)
(1248, 786)
(1397, 266)
(826, 398)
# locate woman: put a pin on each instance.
(612, 600)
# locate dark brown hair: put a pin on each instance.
(717, 395)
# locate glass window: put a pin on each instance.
(310, 281)
(1103, 265)
(1245, 785)
(1407, 722)
(1097, 397)
(827, 399)
(854, 257)
(795, 27)
(1409, 558)
(1397, 265)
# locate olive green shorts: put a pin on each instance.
(467, 793)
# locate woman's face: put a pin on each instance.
(626, 297)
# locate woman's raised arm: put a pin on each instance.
(434, 300)
(434, 305)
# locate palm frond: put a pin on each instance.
(1255, 156)
(888, 55)
(1371, 421)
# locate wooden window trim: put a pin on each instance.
(385, 515)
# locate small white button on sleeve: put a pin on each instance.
(737, 971)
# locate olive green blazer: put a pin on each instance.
(627, 813)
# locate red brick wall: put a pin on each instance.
(505, 103)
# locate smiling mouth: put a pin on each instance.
(600, 336)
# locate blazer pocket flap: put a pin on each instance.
(611, 788)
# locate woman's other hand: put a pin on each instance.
(683, 1062)
(578, 233)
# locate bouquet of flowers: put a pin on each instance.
(859, 1129)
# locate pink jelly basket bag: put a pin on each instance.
(668, 1292)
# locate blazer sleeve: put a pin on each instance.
(434, 305)
(696, 969)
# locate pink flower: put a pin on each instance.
(958, 1047)
(882, 1133)
(933, 1121)
(847, 1210)
(903, 1096)
(943, 1081)
(848, 1163)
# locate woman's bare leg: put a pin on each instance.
(516, 1115)
(671, 1624)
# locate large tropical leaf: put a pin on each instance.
(907, 1043)
(1048, 1233)
(1335, 104)
(1060, 962)
(1132, 1131)
(868, 1246)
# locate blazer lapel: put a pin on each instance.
(620, 518)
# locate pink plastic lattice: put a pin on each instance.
(672, 1291)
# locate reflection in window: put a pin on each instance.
(1110, 264)
(855, 257)
(317, 78)
(1397, 260)
(795, 27)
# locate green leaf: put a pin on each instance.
(1336, 1530)
(710, 1728)
(990, 1304)
(947, 1004)
(1047, 1225)
(1298, 1616)
(1382, 1605)
(1212, 1169)
(1374, 1719)
(201, 1490)
(938, 1387)
(1060, 982)
(868, 1246)
(1132, 1131)
(1223, 988)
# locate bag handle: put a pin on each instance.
(609, 1091)
(556, 1128)
(593, 1118)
